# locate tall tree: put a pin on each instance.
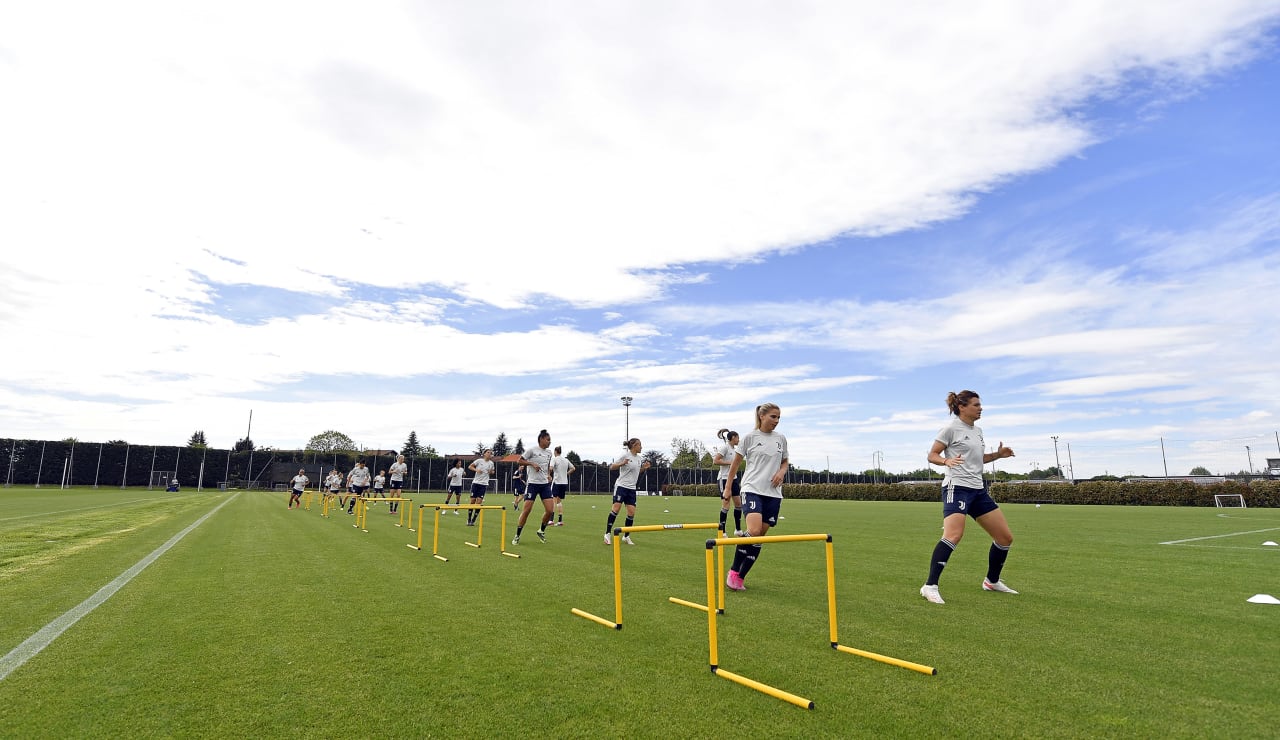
(500, 446)
(1199, 470)
(197, 439)
(655, 458)
(480, 448)
(519, 450)
(330, 440)
(573, 458)
(243, 445)
(412, 447)
(688, 453)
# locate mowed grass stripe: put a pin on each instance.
(50, 564)
(32, 646)
(275, 622)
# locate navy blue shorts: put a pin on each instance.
(624, 496)
(455, 489)
(537, 490)
(766, 506)
(478, 490)
(518, 484)
(961, 500)
(396, 485)
(358, 490)
(559, 489)
(737, 487)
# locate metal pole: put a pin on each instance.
(124, 478)
(1249, 452)
(1162, 458)
(151, 476)
(200, 480)
(13, 448)
(626, 404)
(71, 464)
(1071, 464)
(1056, 460)
(41, 466)
(249, 441)
(97, 469)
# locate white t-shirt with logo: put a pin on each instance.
(542, 457)
(966, 441)
(762, 456)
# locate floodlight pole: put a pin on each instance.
(1249, 452)
(1163, 459)
(1056, 461)
(626, 403)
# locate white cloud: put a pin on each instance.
(415, 164)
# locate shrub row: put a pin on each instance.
(1257, 494)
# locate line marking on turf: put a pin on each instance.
(1219, 536)
(31, 646)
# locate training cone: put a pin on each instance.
(1263, 599)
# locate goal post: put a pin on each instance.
(159, 479)
(1229, 500)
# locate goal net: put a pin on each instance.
(1229, 500)
(159, 479)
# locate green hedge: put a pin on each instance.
(1257, 494)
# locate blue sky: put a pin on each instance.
(503, 217)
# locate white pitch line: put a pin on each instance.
(1219, 536)
(31, 646)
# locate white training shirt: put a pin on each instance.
(560, 470)
(542, 456)
(300, 482)
(962, 439)
(762, 455)
(398, 470)
(334, 480)
(359, 476)
(629, 472)
(483, 468)
(455, 476)
(378, 481)
(726, 453)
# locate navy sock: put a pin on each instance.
(724, 517)
(749, 559)
(941, 554)
(608, 527)
(995, 561)
(737, 518)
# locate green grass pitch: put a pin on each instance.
(264, 622)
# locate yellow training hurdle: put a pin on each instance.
(713, 576)
(362, 512)
(617, 573)
(435, 530)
